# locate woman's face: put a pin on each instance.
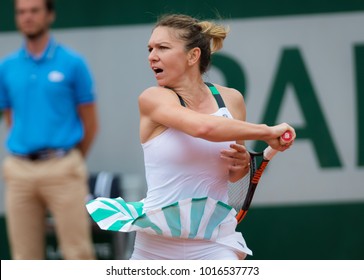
(167, 56)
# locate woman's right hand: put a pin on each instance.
(277, 131)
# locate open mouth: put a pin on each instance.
(157, 70)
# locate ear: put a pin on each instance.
(194, 56)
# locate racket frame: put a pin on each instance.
(256, 173)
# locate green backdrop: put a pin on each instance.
(327, 231)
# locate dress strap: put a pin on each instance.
(181, 100)
(214, 91)
(216, 94)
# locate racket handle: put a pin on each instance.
(286, 137)
(269, 152)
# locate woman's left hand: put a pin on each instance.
(238, 160)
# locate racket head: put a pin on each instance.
(241, 193)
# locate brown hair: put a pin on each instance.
(49, 4)
(205, 35)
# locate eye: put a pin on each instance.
(150, 50)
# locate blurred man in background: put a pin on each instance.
(48, 101)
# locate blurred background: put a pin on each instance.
(301, 62)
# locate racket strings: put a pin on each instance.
(237, 192)
(240, 192)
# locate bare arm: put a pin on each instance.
(88, 115)
(159, 108)
(7, 118)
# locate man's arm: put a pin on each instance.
(7, 118)
(89, 118)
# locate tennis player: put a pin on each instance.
(192, 133)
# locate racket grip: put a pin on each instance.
(286, 137)
(269, 152)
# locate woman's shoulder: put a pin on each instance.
(230, 93)
(234, 101)
(157, 94)
(155, 90)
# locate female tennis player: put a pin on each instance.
(192, 134)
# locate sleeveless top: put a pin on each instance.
(187, 192)
(179, 166)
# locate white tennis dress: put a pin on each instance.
(185, 213)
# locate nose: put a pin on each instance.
(152, 56)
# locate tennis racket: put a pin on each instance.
(241, 193)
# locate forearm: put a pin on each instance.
(89, 119)
(7, 118)
(86, 143)
(219, 129)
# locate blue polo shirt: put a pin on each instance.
(43, 94)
